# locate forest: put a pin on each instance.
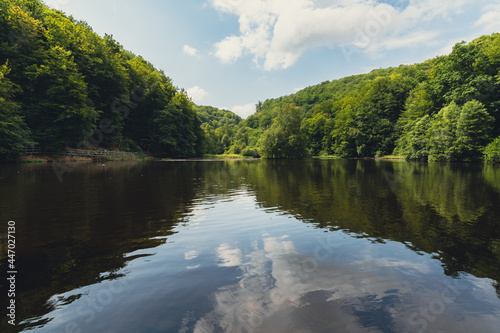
(444, 109)
(62, 85)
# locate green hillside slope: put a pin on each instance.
(62, 85)
(446, 108)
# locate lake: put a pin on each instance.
(254, 246)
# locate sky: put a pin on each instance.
(232, 54)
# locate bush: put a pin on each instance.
(284, 138)
(492, 151)
(253, 152)
(130, 145)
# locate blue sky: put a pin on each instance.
(233, 53)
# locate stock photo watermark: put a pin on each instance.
(420, 320)
(122, 107)
(437, 306)
(95, 305)
(365, 36)
(11, 272)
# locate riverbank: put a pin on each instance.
(208, 158)
(334, 157)
(127, 157)
(65, 158)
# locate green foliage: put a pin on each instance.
(443, 133)
(474, 127)
(218, 128)
(413, 143)
(284, 138)
(432, 110)
(454, 134)
(177, 129)
(72, 87)
(80, 89)
(13, 130)
(62, 112)
(216, 117)
(492, 151)
(252, 152)
(316, 129)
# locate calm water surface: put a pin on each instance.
(254, 246)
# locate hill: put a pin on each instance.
(445, 108)
(62, 85)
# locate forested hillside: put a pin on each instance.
(443, 109)
(62, 85)
(218, 128)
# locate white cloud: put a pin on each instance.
(190, 255)
(189, 50)
(229, 255)
(277, 32)
(278, 284)
(415, 39)
(244, 110)
(197, 93)
(489, 21)
(229, 49)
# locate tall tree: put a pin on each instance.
(58, 110)
(178, 132)
(474, 128)
(414, 141)
(284, 138)
(13, 130)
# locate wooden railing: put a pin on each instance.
(100, 154)
(32, 151)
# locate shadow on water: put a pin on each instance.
(85, 229)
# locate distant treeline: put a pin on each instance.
(62, 85)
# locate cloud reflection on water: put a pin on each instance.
(275, 294)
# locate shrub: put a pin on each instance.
(492, 151)
(253, 152)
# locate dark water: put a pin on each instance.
(254, 246)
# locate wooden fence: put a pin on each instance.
(30, 151)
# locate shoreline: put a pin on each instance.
(43, 159)
(76, 159)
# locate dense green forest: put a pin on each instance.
(445, 109)
(218, 128)
(62, 85)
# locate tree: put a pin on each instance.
(474, 128)
(413, 143)
(492, 151)
(258, 107)
(343, 131)
(443, 133)
(315, 130)
(459, 133)
(284, 138)
(58, 109)
(178, 132)
(13, 130)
